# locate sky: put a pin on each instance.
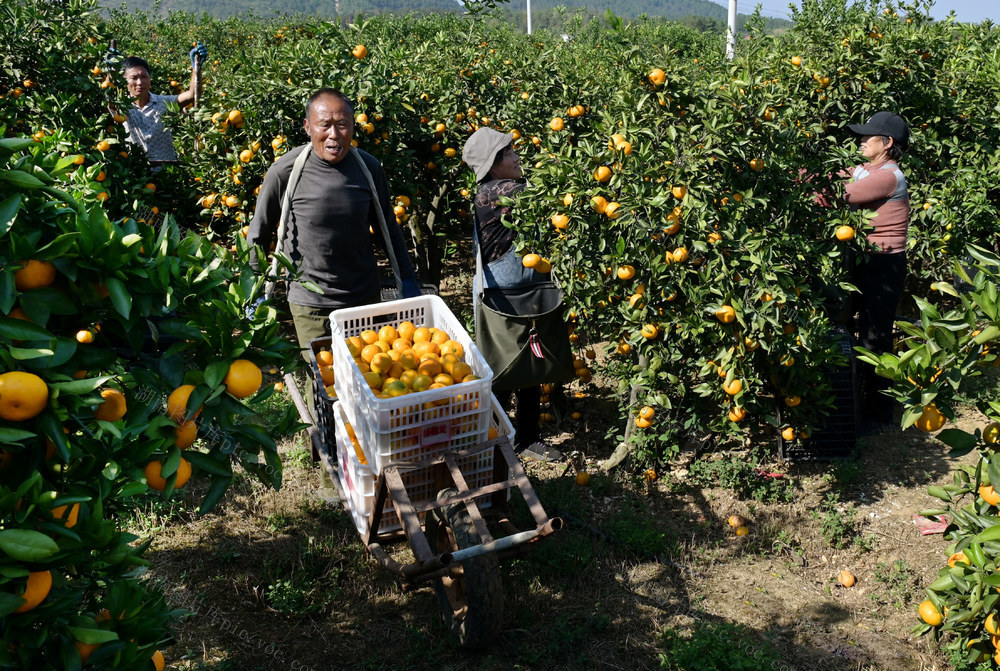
(972, 11)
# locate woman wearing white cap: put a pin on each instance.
(880, 186)
(497, 166)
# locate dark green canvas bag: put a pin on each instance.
(521, 334)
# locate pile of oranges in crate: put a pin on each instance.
(407, 359)
(324, 358)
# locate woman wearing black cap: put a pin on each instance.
(497, 166)
(880, 186)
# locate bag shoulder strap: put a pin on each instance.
(383, 227)
(286, 208)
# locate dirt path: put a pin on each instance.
(279, 578)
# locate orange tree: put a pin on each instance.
(101, 317)
(748, 144)
(940, 357)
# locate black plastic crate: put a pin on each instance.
(322, 401)
(838, 437)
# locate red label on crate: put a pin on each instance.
(435, 434)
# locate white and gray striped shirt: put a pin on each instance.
(145, 128)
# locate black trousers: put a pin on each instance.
(529, 410)
(879, 278)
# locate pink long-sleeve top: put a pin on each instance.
(882, 188)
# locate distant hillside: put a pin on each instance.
(667, 9)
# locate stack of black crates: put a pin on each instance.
(837, 438)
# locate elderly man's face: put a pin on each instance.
(330, 127)
(137, 80)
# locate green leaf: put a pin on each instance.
(214, 494)
(942, 584)
(8, 212)
(19, 329)
(21, 179)
(27, 545)
(78, 387)
(960, 441)
(990, 534)
(23, 354)
(216, 464)
(92, 635)
(215, 373)
(14, 144)
(8, 435)
(940, 493)
(120, 296)
(9, 603)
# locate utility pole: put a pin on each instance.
(730, 33)
(529, 17)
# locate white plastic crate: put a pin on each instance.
(413, 426)
(358, 480)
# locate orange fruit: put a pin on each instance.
(461, 370)
(34, 274)
(560, 221)
(646, 412)
(988, 494)
(556, 124)
(679, 192)
(430, 368)
(726, 314)
(373, 380)
(35, 590)
(422, 334)
(846, 578)
(844, 233)
(680, 255)
(422, 382)
(155, 479)
(186, 434)
(599, 203)
(792, 401)
(243, 379)
(737, 414)
(650, 331)
(736, 521)
(734, 387)
(531, 260)
(380, 363)
(788, 433)
(368, 336)
(359, 51)
(929, 613)
(957, 557)
(796, 61)
(22, 395)
(602, 174)
(324, 357)
(60, 513)
(388, 333)
(991, 624)
(583, 478)
(85, 649)
(930, 419)
(742, 531)
(405, 330)
(113, 407)
(177, 403)
(657, 77)
(85, 336)
(246, 156)
(626, 272)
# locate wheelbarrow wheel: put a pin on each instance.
(471, 597)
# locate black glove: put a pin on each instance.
(199, 53)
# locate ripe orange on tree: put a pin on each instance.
(37, 587)
(657, 77)
(113, 407)
(22, 395)
(34, 274)
(560, 221)
(929, 613)
(186, 434)
(359, 51)
(844, 233)
(602, 173)
(243, 379)
(990, 495)
(155, 479)
(177, 403)
(726, 314)
(734, 387)
(931, 419)
(556, 124)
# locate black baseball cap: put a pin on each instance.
(885, 123)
